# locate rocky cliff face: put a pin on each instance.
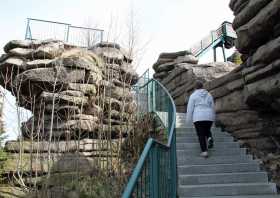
(247, 99)
(81, 105)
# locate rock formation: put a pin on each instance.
(178, 71)
(81, 105)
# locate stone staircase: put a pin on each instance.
(228, 172)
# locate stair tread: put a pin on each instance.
(220, 174)
(241, 196)
(230, 184)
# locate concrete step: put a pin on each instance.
(227, 189)
(191, 129)
(212, 152)
(189, 160)
(193, 134)
(223, 178)
(219, 168)
(195, 139)
(218, 146)
(242, 196)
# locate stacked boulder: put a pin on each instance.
(81, 105)
(168, 61)
(178, 72)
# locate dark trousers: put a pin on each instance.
(203, 130)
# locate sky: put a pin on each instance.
(162, 26)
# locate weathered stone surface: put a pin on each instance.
(38, 63)
(12, 63)
(186, 59)
(266, 53)
(53, 76)
(87, 89)
(68, 162)
(234, 4)
(264, 94)
(160, 74)
(261, 72)
(58, 97)
(165, 67)
(84, 145)
(238, 5)
(228, 88)
(173, 55)
(255, 32)
(233, 101)
(113, 55)
(119, 93)
(22, 52)
(251, 10)
(17, 44)
(161, 61)
(49, 51)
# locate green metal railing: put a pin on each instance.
(216, 38)
(155, 174)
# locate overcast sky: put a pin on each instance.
(166, 25)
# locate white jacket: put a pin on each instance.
(201, 107)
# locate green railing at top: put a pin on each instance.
(155, 174)
(216, 38)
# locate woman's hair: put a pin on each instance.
(198, 84)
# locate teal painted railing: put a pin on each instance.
(222, 37)
(155, 174)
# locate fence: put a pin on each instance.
(38, 29)
(155, 174)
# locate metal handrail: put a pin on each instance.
(171, 144)
(67, 32)
(225, 30)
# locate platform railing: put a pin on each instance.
(155, 174)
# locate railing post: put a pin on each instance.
(101, 36)
(27, 28)
(224, 52)
(67, 33)
(154, 173)
(149, 98)
(154, 96)
(215, 54)
(173, 168)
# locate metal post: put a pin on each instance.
(67, 33)
(154, 176)
(224, 53)
(153, 96)
(215, 54)
(27, 28)
(101, 36)
(149, 99)
(173, 168)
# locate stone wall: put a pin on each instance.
(81, 105)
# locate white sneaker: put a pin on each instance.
(204, 154)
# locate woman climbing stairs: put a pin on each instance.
(228, 172)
